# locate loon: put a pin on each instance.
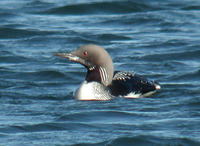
(101, 82)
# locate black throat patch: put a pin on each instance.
(93, 75)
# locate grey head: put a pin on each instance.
(96, 59)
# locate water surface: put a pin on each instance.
(159, 40)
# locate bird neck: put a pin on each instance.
(98, 74)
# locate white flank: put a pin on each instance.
(133, 95)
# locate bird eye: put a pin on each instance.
(85, 53)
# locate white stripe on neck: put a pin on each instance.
(104, 76)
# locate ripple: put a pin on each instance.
(49, 74)
(5, 15)
(101, 8)
(152, 140)
(103, 117)
(35, 75)
(172, 56)
(97, 38)
(12, 58)
(192, 7)
(37, 6)
(20, 33)
(44, 127)
(191, 77)
(112, 37)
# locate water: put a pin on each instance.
(157, 39)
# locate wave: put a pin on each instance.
(51, 74)
(99, 117)
(151, 140)
(44, 127)
(193, 7)
(47, 75)
(131, 20)
(12, 58)
(144, 140)
(191, 76)
(101, 8)
(6, 15)
(20, 33)
(108, 36)
(104, 37)
(37, 6)
(172, 56)
(31, 93)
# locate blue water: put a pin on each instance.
(157, 39)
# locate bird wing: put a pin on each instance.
(128, 82)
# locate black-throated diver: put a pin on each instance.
(101, 82)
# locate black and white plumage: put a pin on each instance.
(132, 85)
(101, 82)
